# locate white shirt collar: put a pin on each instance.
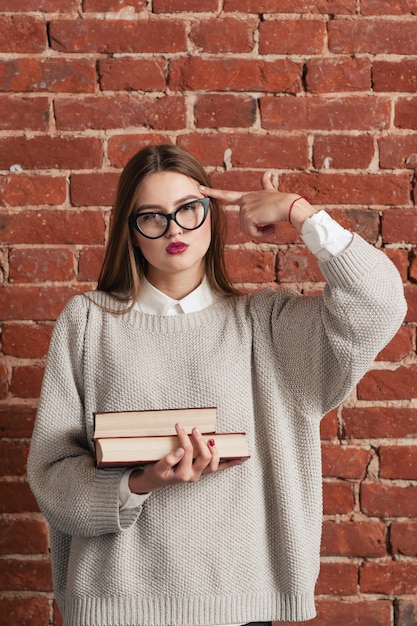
(155, 302)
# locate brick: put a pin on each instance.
(97, 189)
(363, 222)
(23, 537)
(394, 75)
(390, 7)
(26, 381)
(399, 256)
(329, 425)
(38, 265)
(240, 180)
(16, 420)
(24, 575)
(232, 74)
(37, 303)
(118, 36)
(399, 225)
(208, 148)
(53, 227)
(398, 152)
(24, 113)
(248, 150)
(331, 113)
(27, 611)
(22, 34)
(364, 37)
(337, 579)
(176, 6)
(329, 75)
(344, 462)
(411, 298)
(108, 112)
(348, 613)
(358, 539)
(50, 75)
(339, 188)
(338, 498)
(379, 422)
(132, 74)
(250, 266)
(413, 265)
(50, 152)
(58, 621)
(405, 113)
(398, 384)
(17, 497)
(216, 35)
(343, 151)
(398, 462)
(122, 147)
(96, 6)
(224, 110)
(388, 500)
(400, 347)
(90, 262)
(235, 235)
(406, 612)
(4, 381)
(13, 457)
(292, 36)
(46, 6)
(403, 537)
(291, 6)
(21, 190)
(395, 577)
(298, 265)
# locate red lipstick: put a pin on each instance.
(177, 247)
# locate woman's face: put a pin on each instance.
(179, 254)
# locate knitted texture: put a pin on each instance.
(240, 545)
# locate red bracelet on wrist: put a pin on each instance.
(292, 204)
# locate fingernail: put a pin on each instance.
(212, 443)
(197, 431)
(179, 452)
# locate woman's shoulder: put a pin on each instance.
(265, 301)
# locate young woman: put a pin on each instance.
(200, 542)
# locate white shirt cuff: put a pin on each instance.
(324, 236)
(127, 499)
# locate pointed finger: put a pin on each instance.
(223, 195)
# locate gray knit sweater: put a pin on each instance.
(237, 546)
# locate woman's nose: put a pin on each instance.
(173, 229)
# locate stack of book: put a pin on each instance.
(124, 438)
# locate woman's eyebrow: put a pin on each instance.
(159, 208)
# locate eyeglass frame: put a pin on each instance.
(205, 201)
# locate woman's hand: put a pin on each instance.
(180, 466)
(260, 211)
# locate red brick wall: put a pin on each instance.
(321, 91)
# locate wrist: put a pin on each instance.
(139, 483)
(300, 210)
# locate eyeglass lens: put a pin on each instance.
(189, 216)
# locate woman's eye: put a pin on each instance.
(189, 207)
(148, 217)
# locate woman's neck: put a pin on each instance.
(175, 286)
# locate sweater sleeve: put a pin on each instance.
(325, 344)
(75, 497)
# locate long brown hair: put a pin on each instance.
(124, 266)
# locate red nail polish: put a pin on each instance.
(212, 443)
